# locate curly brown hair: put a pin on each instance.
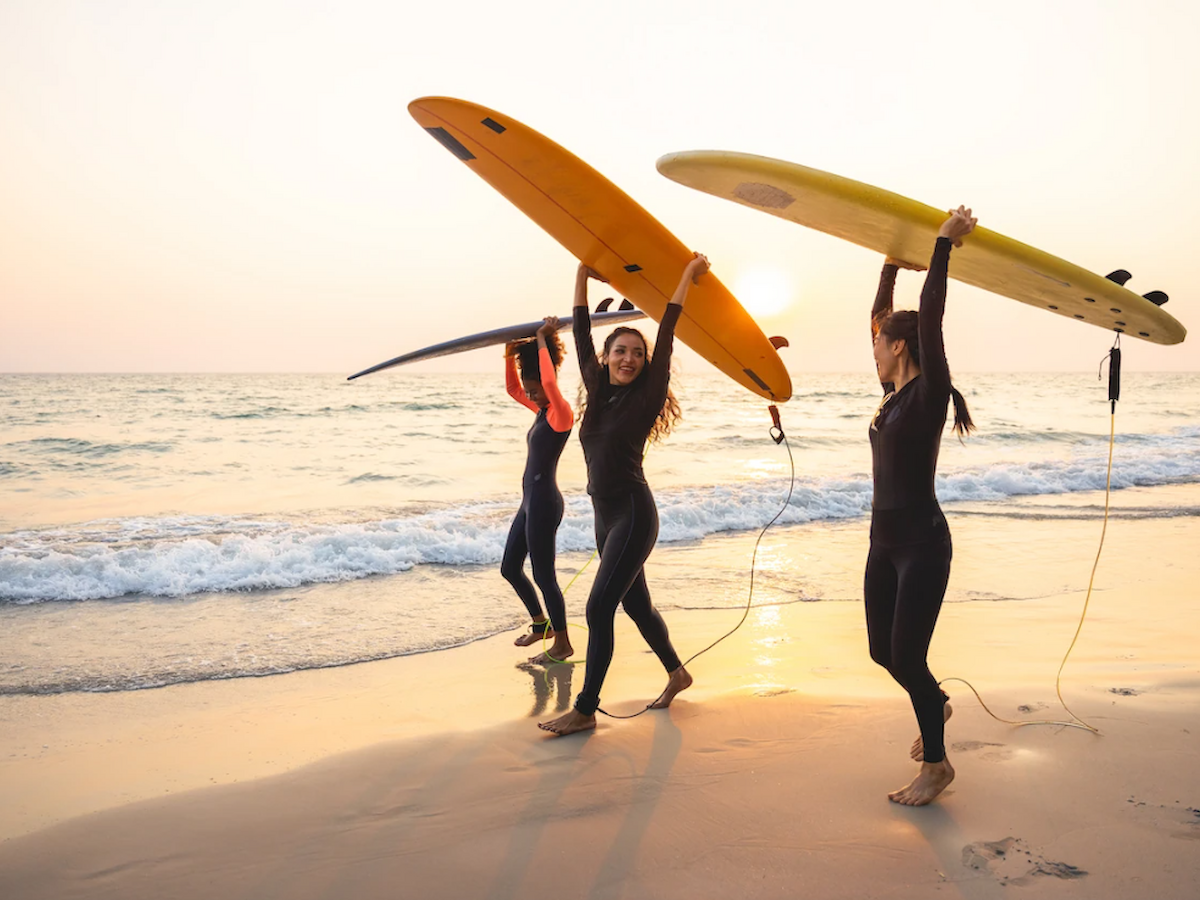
(526, 355)
(668, 417)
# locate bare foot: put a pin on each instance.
(534, 635)
(569, 723)
(560, 650)
(931, 781)
(918, 748)
(677, 681)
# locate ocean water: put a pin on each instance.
(158, 529)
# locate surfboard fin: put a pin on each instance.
(604, 304)
(1120, 276)
(625, 304)
(778, 342)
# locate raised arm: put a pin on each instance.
(559, 413)
(934, 367)
(512, 381)
(585, 349)
(887, 286)
(883, 295)
(659, 374)
(697, 266)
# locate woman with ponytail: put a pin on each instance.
(908, 566)
(629, 402)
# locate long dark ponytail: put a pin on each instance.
(902, 324)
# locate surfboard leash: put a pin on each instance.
(1113, 357)
(779, 437)
(545, 639)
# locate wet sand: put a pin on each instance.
(426, 776)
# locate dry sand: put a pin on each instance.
(425, 776)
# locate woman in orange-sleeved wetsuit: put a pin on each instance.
(536, 523)
(908, 565)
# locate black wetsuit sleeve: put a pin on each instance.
(934, 367)
(883, 308)
(585, 349)
(659, 374)
(883, 297)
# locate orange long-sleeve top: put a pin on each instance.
(559, 415)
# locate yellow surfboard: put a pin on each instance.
(905, 229)
(604, 228)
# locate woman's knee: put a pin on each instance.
(512, 568)
(546, 578)
(881, 655)
(643, 615)
(597, 611)
(913, 675)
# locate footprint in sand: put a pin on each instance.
(1010, 862)
(1169, 815)
(997, 755)
(774, 692)
(991, 756)
(1031, 707)
(965, 746)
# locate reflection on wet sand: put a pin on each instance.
(549, 681)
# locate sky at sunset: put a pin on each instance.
(238, 186)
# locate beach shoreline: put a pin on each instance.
(811, 733)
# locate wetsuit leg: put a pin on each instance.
(512, 567)
(879, 589)
(626, 528)
(904, 587)
(649, 622)
(924, 572)
(544, 515)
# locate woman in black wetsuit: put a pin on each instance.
(628, 402)
(536, 523)
(908, 565)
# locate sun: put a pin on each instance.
(763, 290)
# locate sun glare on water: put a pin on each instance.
(763, 290)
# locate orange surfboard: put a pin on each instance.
(606, 229)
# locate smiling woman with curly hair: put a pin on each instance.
(629, 401)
